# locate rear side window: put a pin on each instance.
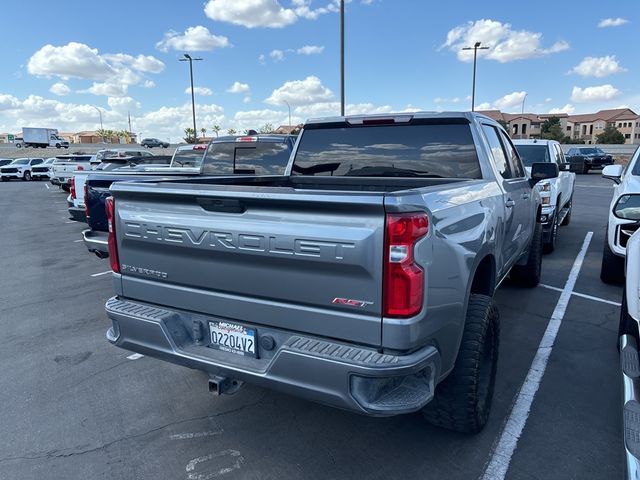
(497, 152)
(422, 150)
(187, 158)
(512, 156)
(251, 158)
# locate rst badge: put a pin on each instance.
(350, 302)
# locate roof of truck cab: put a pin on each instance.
(533, 141)
(260, 137)
(414, 115)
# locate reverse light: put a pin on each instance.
(403, 278)
(110, 208)
(72, 187)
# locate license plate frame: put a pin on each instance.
(228, 336)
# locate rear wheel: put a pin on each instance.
(612, 267)
(529, 274)
(462, 402)
(26, 177)
(584, 169)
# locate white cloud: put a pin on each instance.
(612, 22)
(598, 66)
(256, 118)
(60, 89)
(238, 87)
(262, 59)
(301, 92)
(113, 72)
(124, 105)
(277, 55)
(450, 100)
(568, 108)
(310, 50)
(250, 13)
(510, 101)
(505, 44)
(108, 89)
(199, 91)
(323, 109)
(194, 39)
(71, 60)
(8, 102)
(594, 94)
(149, 84)
(246, 99)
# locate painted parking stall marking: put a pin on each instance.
(135, 356)
(504, 449)
(101, 273)
(583, 295)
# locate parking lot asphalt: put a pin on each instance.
(72, 406)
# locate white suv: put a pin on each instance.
(556, 193)
(20, 168)
(623, 220)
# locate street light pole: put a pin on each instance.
(475, 49)
(523, 99)
(101, 127)
(289, 107)
(342, 58)
(188, 58)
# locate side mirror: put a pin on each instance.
(543, 171)
(613, 172)
(628, 207)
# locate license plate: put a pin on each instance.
(233, 338)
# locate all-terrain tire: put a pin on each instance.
(612, 267)
(528, 275)
(462, 401)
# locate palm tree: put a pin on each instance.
(231, 131)
(203, 131)
(190, 135)
(216, 129)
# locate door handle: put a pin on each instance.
(525, 195)
(510, 203)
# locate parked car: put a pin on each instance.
(65, 166)
(620, 227)
(628, 335)
(226, 155)
(5, 161)
(154, 142)
(20, 168)
(76, 186)
(556, 193)
(583, 159)
(43, 170)
(122, 152)
(361, 279)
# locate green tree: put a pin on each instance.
(203, 131)
(267, 128)
(216, 129)
(552, 129)
(610, 134)
(190, 135)
(231, 131)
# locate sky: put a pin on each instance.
(72, 59)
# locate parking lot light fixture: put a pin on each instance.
(101, 127)
(190, 59)
(475, 49)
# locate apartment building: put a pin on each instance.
(583, 127)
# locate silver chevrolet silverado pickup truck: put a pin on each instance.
(363, 278)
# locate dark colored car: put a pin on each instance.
(583, 159)
(154, 142)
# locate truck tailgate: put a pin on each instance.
(303, 260)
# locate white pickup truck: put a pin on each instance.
(66, 166)
(556, 193)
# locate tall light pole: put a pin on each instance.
(188, 58)
(342, 58)
(475, 49)
(101, 128)
(289, 107)
(523, 99)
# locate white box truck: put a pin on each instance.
(41, 137)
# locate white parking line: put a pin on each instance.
(101, 273)
(135, 356)
(77, 241)
(503, 451)
(46, 186)
(584, 295)
(71, 221)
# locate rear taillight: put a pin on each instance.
(80, 168)
(403, 278)
(86, 200)
(110, 207)
(72, 187)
